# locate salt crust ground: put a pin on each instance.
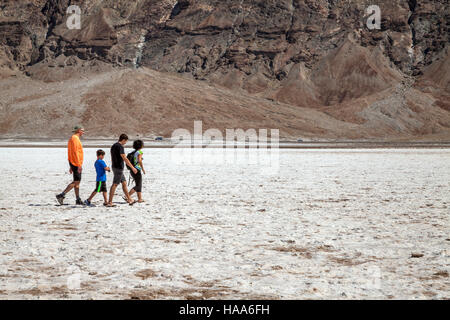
(329, 224)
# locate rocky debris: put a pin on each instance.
(416, 255)
(443, 274)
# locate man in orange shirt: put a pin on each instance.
(75, 155)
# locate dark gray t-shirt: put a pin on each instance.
(116, 158)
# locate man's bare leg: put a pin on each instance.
(112, 191)
(69, 187)
(76, 188)
(60, 197)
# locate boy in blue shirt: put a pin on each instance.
(101, 168)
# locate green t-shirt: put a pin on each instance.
(136, 159)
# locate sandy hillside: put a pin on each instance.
(151, 103)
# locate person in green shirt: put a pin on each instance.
(137, 146)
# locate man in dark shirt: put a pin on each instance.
(118, 158)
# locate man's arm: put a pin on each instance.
(124, 157)
(79, 157)
(71, 153)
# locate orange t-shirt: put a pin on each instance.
(75, 151)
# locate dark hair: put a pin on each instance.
(138, 145)
(100, 152)
(123, 136)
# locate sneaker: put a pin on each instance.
(88, 203)
(79, 202)
(60, 199)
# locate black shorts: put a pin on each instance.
(76, 174)
(138, 180)
(100, 186)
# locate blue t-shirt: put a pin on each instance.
(100, 166)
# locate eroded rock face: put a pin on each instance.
(277, 33)
(22, 31)
(252, 44)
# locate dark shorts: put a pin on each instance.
(137, 180)
(118, 176)
(100, 186)
(76, 174)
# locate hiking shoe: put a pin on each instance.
(60, 199)
(79, 202)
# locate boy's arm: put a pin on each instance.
(105, 166)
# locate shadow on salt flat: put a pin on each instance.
(53, 205)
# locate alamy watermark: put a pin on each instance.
(374, 20)
(74, 18)
(249, 147)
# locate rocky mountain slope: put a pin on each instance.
(308, 67)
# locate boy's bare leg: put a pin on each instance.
(132, 191)
(92, 196)
(112, 191)
(125, 190)
(139, 194)
(105, 197)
